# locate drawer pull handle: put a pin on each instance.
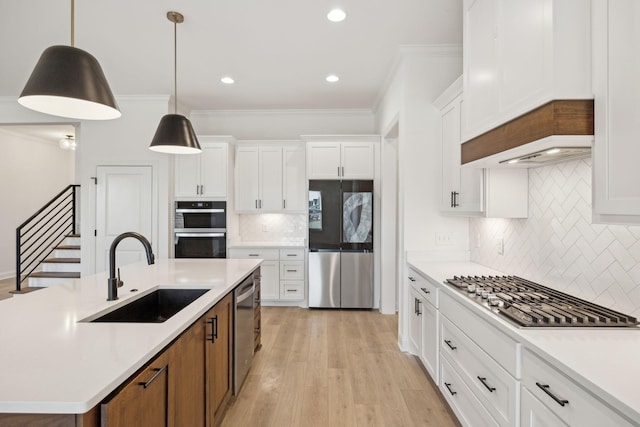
(448, 386)
(412, 279)
(425, 290)
(292, 255)
(292, 271)
(545, 388)
(448, 342)
(483, 380)
(254, 254)
(158, 371)
(292, 290)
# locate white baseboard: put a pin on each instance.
(11, 274)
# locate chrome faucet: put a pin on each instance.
(114, 282)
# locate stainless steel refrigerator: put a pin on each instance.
(340, 244)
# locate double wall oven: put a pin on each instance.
(200, 229)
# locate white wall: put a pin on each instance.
(419, 78)
(282, 124)
(32, 172)
(125, 141)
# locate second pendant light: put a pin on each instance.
(175, 135)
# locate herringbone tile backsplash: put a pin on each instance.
(559, 247)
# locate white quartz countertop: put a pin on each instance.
(53, 362)
(605, 361)
(297, 244)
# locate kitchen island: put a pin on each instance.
(54, 361)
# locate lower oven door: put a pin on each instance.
(200, 245)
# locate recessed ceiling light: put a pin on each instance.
(227, 80)
(332, 78)
(336, 15)
(553, 151)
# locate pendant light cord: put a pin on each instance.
(175, 68)
(73, 22)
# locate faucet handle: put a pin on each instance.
(119, 282)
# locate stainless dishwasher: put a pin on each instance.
(243, 342)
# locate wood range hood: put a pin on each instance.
(559, 130)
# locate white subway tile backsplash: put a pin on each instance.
(558, 246)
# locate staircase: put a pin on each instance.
(63, 265)
(47, 246)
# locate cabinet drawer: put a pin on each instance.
(426, 289)
(498, 345)
(262, 253)
(289, 254)
(565, 398)
(469, 410)
(490, 383)
(292, 290)
(291, 270)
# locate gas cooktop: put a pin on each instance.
(530, 304)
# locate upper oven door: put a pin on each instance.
(201, 215)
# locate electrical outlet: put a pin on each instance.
(500, 245)
(265, 227)
(444, 239)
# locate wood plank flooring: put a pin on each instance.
(335, 368)
(7, 285)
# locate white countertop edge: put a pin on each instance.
(176, 324)
(614, 398)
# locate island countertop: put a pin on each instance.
(54, 362)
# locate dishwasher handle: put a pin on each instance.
(244, 293)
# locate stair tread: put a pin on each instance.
(26, 289)
(56, 274)
(73, 247)
(62, 260)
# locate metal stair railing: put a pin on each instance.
(38, 236)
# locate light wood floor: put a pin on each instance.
(7, 285)
(335, 368)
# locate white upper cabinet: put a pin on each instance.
(616, 41)
(462, 188)
(270, 177)
(203, 175)
(519, 55)
(344, 159)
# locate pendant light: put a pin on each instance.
(69, 82)
(175, 135)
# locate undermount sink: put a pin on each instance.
(156, 307)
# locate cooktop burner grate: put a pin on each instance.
(530, 304)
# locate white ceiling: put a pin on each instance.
(278, 51)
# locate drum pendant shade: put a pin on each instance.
(175, 135)
(69, 82)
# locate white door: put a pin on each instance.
(357, 160)
(213, 170)
(247, 179)
(270, 179)
(123, 203)
(323, 160)
(293, 177)
(187, 175)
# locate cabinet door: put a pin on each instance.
(481, 73)
(270, 199)
(270, 280)
(415, 321)
(429, 350)
(293, 177)
(358, 160)
(535, 414)
(142, 402)
(218, 356)
(323, 160)
(188, 376)
(462, 188)
(247, 179)
(617, 103)
(213, 170)
(187, 175)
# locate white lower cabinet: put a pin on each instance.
(484, 359)
(560, 396)
(535, 414)
(423, 325)
(463, 402)
(282, 272)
